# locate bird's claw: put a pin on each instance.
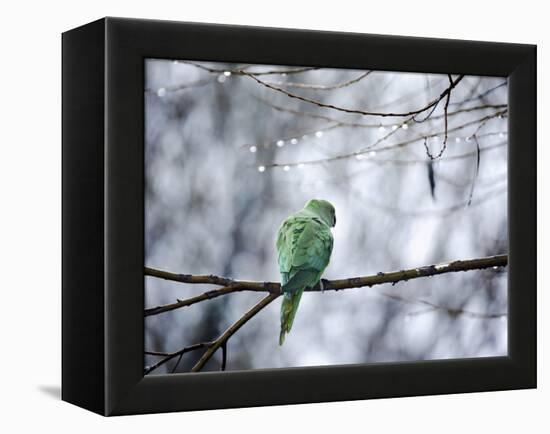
(322, 285)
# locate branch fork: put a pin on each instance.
(274, 291)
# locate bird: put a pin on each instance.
(304, 246)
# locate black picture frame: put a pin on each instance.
(103, 222)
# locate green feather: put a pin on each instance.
(304, 246)
(289, 307)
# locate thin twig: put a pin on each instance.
(423, 161)
(316, 131)
(384, 149)
(222, 340)
(446, 121)
(408, 96)
(461, 184)
(393, 211)
(478, 159)
(427, 117)
(242, 71)
(342, 122)
(287, 138)
(182, 86)
(319, 86)
(335, 180)
(166, 357)
(356, 111)
(451, 311)
(177, 363)
(481, 95)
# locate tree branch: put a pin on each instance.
(387, 148)
(357, 111)
(320, 86)
(182, 86)
(335, 285)
(222, 340)
(166, 357)
(344, 123)
(449, 310)
(481, 95)
(211, 279)
(436, 213)
(241, 71)
(446, 121)
(202, 297)
(423, 161)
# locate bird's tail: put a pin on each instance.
(289, 306)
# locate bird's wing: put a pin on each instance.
(304, 245)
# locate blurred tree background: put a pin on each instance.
(232, 149)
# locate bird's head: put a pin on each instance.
(323, 209)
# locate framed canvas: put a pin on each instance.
(257, 216)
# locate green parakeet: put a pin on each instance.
(304, 246)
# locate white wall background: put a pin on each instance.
(30, 245)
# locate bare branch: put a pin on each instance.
(365, 168)
(202, 297)
(451, 311)
(355, 282)
(166, 357)
(286, 139)
(319, 86)
(406, 96)
(392, 210)
(478, 160)
(461, 184)
(242, 71)
(481, 95)
(314, 115)
(342, 122)
(452, 158)
(182, 86)
(446, 121)
(224, 337)
(356, 111)
(189, 278)
(247, 285)
(386, 148)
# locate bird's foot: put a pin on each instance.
(322, 284)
